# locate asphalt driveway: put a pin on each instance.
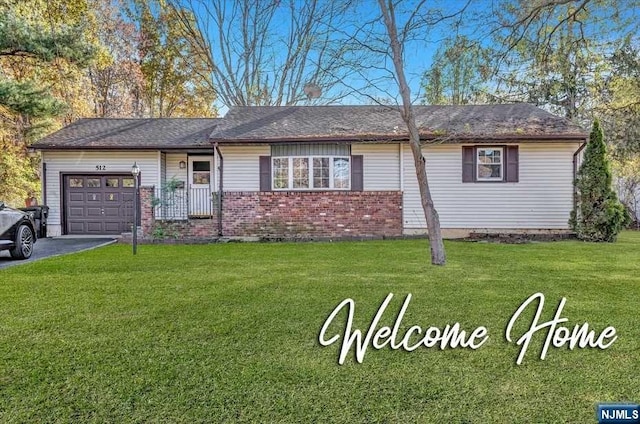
(48, 247)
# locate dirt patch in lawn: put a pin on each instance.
(514, 238)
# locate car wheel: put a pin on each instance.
(24, 243)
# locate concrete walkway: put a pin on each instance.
(47, 247)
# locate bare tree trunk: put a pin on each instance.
(438, 256)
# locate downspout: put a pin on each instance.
(44, 182)
(575, 174)
(220, 190)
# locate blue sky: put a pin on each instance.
(419, 52)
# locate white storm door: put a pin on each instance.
(200, 185)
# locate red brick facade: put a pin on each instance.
(289, 215)
(312, 214)
(146, 210)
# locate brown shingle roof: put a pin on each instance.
(107, 133)
(381, 123)
(255, 124)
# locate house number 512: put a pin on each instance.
(101, 167)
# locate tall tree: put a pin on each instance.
(64, 79)
(553, 51)
(27, 51)
(176, 75)
(377, 49)
(116, 75)
(458, 74)
(619, 105)
(578, 58)
(266, 52)
(387, 10)
(619, 100)
(22, 42)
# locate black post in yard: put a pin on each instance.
(135, 171)
(220, 189)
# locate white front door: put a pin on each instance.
(200, 185)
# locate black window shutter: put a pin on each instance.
(265, 173)
(512, 174)
(357, 173)
(468, 164)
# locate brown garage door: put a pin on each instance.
(98, 204)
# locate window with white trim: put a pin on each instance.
(489, 163)
(311, 173)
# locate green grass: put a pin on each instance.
(228, 333)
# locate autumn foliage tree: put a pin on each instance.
(27, 105)
(176, 75)
(61, 60)
(23, 44)
(116, 75)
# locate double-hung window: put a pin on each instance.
(489, 164)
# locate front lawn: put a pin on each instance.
(229, 333)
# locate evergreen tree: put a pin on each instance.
(28, 51)
(598, 216)
(21, 40)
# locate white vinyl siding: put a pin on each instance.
(58, 163)
(381, 166)
(173, 167)
(173, 170)
(542, 199)
(241, 167)
(163, 169)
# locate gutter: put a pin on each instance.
(177, 148)
(44, 181)
(575, 174)
(216, 148)
(403, 139)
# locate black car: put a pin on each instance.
(17, 232)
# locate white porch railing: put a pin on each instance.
(183, 203)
